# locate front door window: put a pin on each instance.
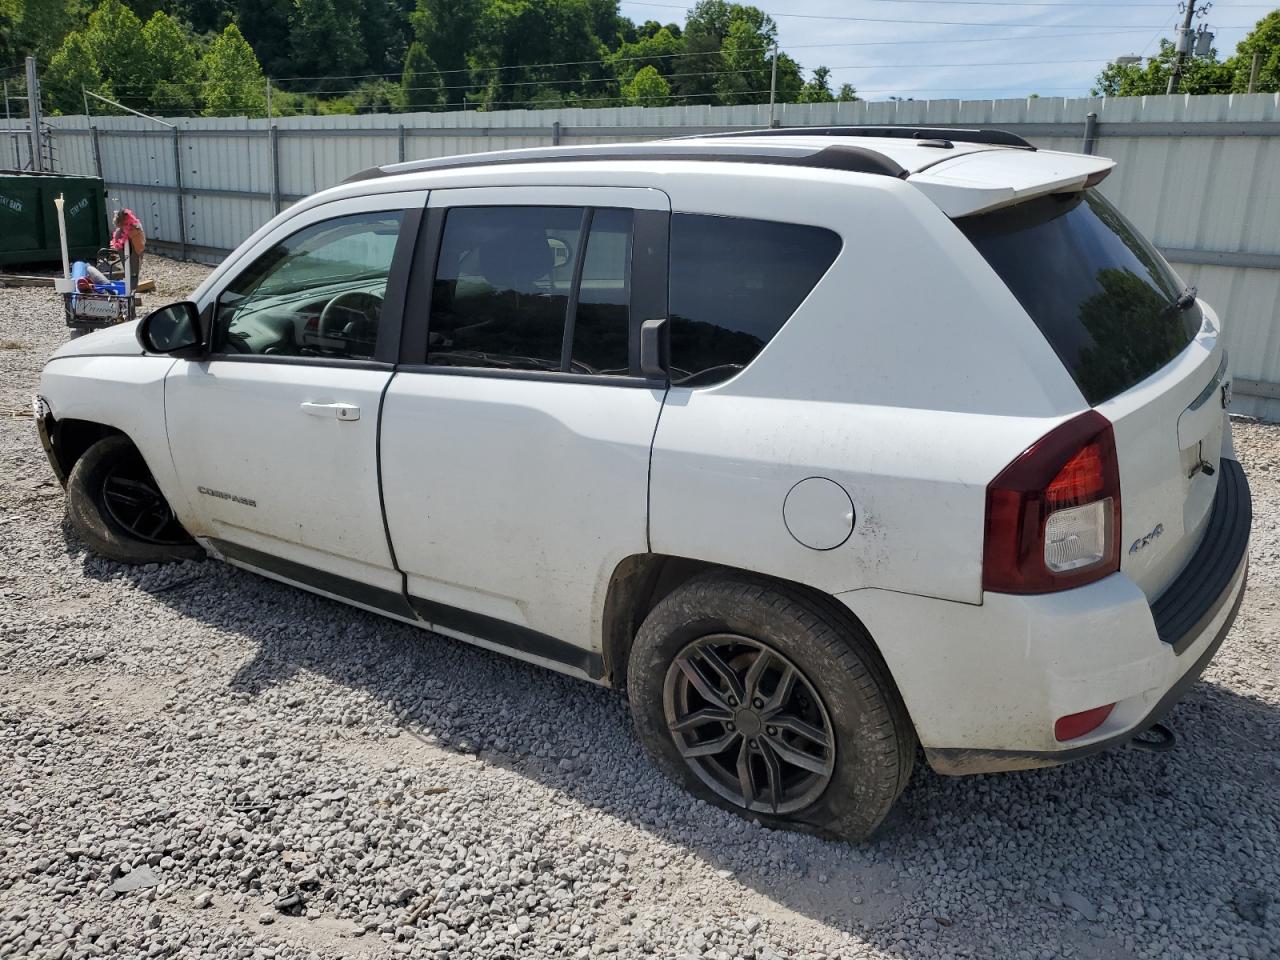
(318, 293)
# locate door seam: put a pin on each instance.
(382, 500)
(648, 486)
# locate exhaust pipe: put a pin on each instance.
(1157, 738)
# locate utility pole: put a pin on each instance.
(773, 89)
(1253, 70)
(1182, 46)
(268, 98)
(33, 108)
(17, 157)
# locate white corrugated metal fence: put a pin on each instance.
(1200, 176)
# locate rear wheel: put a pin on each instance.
(118, 510)
(771, 704)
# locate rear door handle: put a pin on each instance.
(333, 411)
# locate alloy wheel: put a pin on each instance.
(749, 724)
(131, 497)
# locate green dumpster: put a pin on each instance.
(29, 220)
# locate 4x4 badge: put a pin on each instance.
(1141, 542)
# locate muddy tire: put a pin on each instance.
(772, 704)
(118, 511)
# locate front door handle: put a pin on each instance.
(333, 411)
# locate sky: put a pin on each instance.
(986, 49)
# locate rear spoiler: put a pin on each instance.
(977, 182)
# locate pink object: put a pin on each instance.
(122, 233)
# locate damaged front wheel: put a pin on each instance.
(118, 510)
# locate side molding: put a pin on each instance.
(519, 641)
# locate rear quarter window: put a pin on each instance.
(734, 282)
(1099, 292)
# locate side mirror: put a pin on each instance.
(174, 329)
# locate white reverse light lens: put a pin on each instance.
(1077, 536)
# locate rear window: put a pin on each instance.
(1100, 293)
(734, 283)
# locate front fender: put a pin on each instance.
(122, 392)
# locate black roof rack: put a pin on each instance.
(1002, 138)
(848, 157)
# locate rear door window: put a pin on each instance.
(734, 283)
(1102, 296)
(602, 320)
(502, 287)
(533, 288)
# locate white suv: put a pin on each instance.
(821, 442)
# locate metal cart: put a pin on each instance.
(93, 311)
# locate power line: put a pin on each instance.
(1051, 3)
(713, 53)
(913, 21)
(137, 90)
(667, 56)
(668, 98)
(1156, 36)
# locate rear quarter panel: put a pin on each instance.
(910, 376)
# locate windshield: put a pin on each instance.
(1102, 296)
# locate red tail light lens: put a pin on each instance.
(1053, 515)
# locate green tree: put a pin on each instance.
(535, 33)
(206, 16)
(265, 24)
(1199, 75)
(818, 89)
(144, 10)
(72, 68)
(377, 96)
(325, 33)
(647, 88)
(114, 37)
(232, 78)
(420, 83)
(730, 47)
(1264, 39)
(10, 25)
(446, 31)
(169, 71)
(383, 33)
(745, 65)
(605, 22)
(659, 50)
(705, 30)
(790, 79)
(38, 27)
(847, 93)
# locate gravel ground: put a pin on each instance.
(198, 762)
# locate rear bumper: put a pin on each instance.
(1185, 610)
(960, 761)
(985, 684)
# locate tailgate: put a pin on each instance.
(1170, 431)
(1143, 351)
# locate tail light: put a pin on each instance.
(1053, 515)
